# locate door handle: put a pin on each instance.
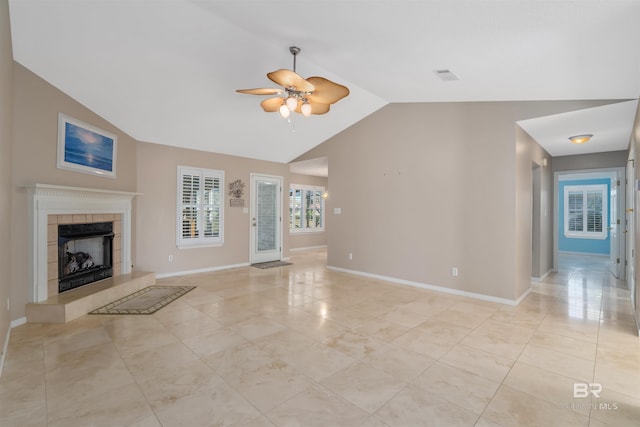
(254, 222)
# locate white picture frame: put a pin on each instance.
(86, 148)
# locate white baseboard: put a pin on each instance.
(541, 278)
(308, 248)
(4, 349)
(201, 270)
(18, 322)
(14, 324)
(522, 297)
(434, 288)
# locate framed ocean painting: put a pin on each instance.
(85, 148)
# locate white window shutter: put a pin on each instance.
(306, 208)
(585, 211)
(200, 207)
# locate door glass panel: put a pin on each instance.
(266, 220)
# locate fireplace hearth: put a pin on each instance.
(85, 253)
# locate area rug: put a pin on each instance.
(145, 301)
(270, 264)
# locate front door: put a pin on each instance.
(266, 218)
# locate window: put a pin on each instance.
(200, 207)
(306, 208)
(585, 211)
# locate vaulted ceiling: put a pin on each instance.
(165, 71)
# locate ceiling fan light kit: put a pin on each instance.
(303, 96)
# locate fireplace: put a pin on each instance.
(54, 205)
(84, 254)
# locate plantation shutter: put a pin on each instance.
(295, 208)
(585, 211)
(306, 208)
(190, 192)
(200, 206)
(212, 206)
(575, 211)
(594, 211)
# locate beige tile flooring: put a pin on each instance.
(305, 346)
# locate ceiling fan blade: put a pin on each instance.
(316, 108)
(288, 79)
(271, 105)
(261, 91)
(326, 91)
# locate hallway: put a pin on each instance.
(590, 290)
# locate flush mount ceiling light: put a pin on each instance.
(580, 139)
(304, 96)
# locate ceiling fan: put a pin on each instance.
(304, 96)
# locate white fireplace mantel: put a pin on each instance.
(45, 200)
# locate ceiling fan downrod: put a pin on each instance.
(295, 50)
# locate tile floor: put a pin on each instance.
(305, 346)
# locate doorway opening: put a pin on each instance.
(588, 218)
(309, 201)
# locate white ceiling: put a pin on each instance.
(165, 71)
(610, 126)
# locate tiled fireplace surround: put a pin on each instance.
(52, 243)
(51, 205)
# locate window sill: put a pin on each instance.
(585, 236)
(293, 233)
(200, 245)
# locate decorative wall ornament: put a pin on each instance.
(236, 190)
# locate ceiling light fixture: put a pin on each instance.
(580, 139)
(303, 96)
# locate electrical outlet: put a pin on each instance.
(170, 259)
(454, 271)
(350, 256)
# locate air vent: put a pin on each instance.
(446, 75)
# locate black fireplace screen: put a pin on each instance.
(84, 254)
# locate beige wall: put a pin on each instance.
(427, 187)
(156, 221)
(612, 159)
(534, 211)
(35, 126)
(6, 104)
(308, 240)
(635, 142)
